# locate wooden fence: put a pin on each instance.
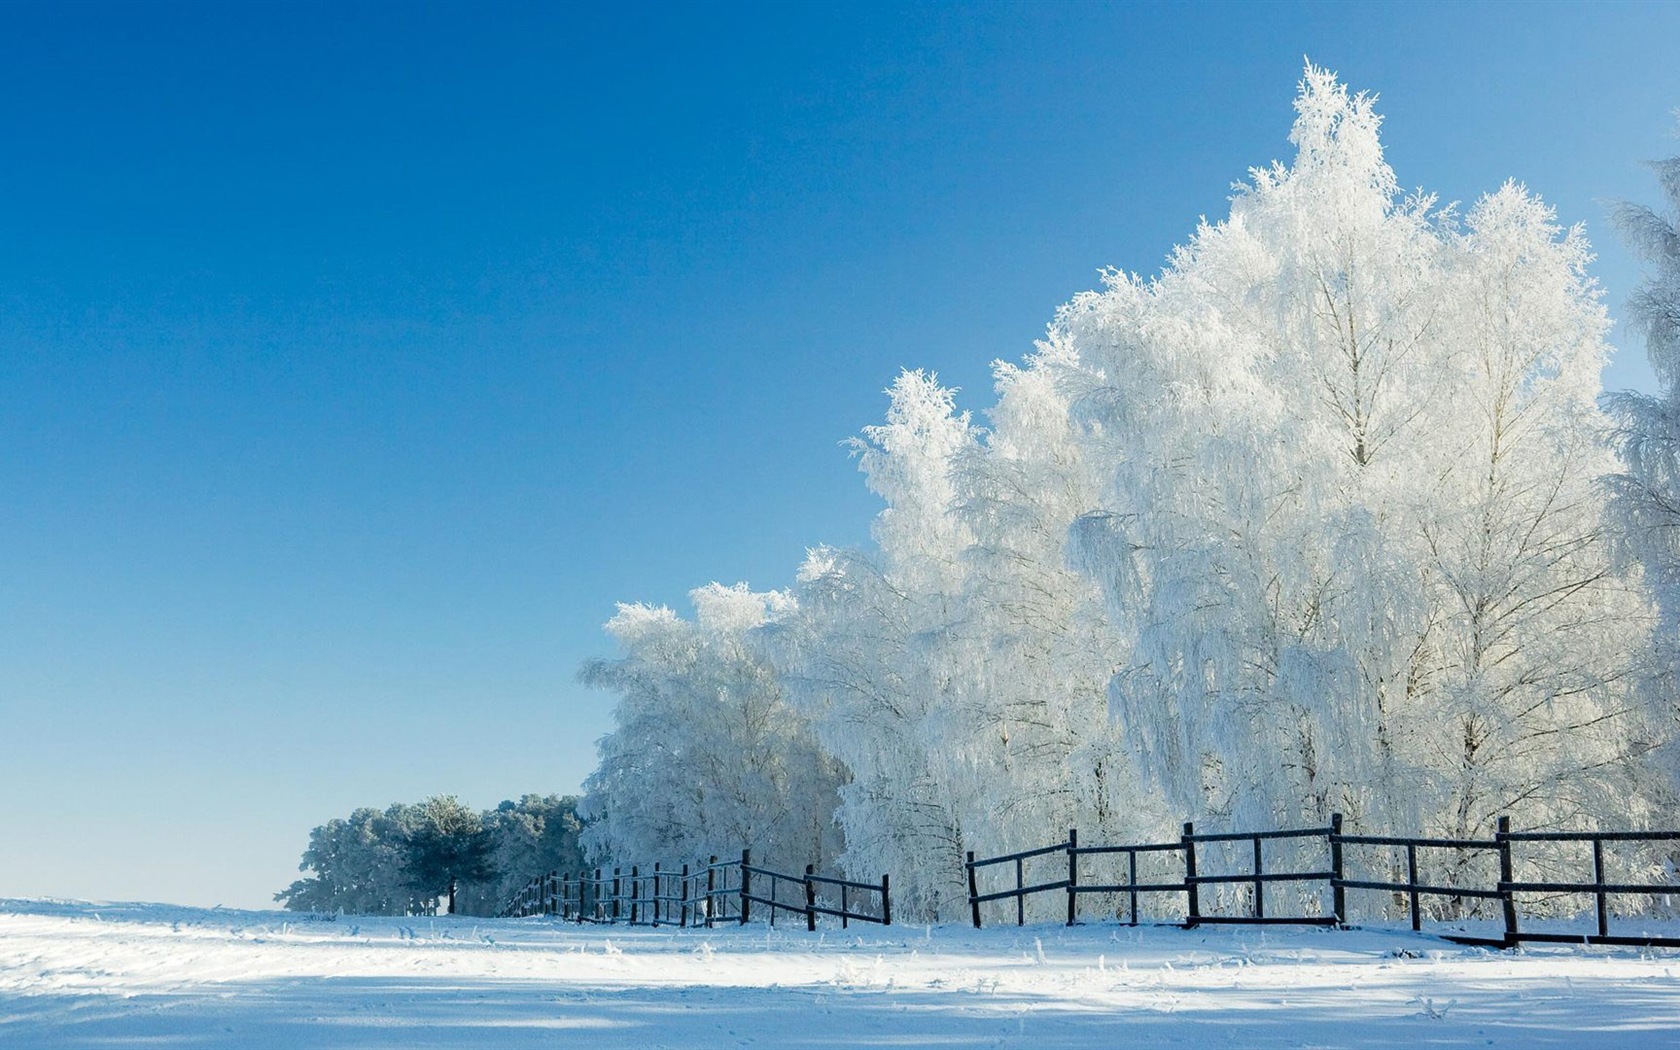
(701, 895)
(1325, 879)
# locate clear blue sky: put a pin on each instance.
(355, 360)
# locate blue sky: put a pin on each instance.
(355, 360)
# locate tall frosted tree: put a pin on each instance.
(869, 659)
(1647, 493)
(1355, 521)
(959, 669)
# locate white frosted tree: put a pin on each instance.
(1355, 523)
(705, 756)
(960, 668)
(869, 660)
(1647, 493)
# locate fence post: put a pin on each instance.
(1338, 892)
(1412, 885)
(1598, 887)
(1073, 876)
(1259, 884)
(1506, 877)
(810, 899)
(617, 895)
(1192, 899)
(711, 876)
(1020, 898)
(684, 918)
(886, 901)
(973, 892)
(1131, 874)
(746, 881)
(656, 893)
(594, 897)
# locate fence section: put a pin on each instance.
(1599, 889)
(1257, 878)
(701, 895)
(1208, 864)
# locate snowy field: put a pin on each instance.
(97, 975)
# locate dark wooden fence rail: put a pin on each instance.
(700, 895)
(1333, 878)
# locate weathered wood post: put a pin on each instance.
(685, 905)
(1338, 892)
(810, 899)
(711, 886)
(1131, 875)
(886, 901)
(658, 892)
(1259, 883)
(1598, 888)
(1412, 885)
(1193, 904)
(617, 894)
(1073, 881)
(1506, 877)
(973, 892)
(746, 881)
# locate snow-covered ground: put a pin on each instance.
(97, 975)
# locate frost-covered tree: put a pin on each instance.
(1647, 494)
(536, 835)
(867, 657)
(359, 865)
(404, 859)
(447, 845)
(959, 668)
(706, 756)
(1354, 524)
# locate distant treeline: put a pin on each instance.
(419, 858)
